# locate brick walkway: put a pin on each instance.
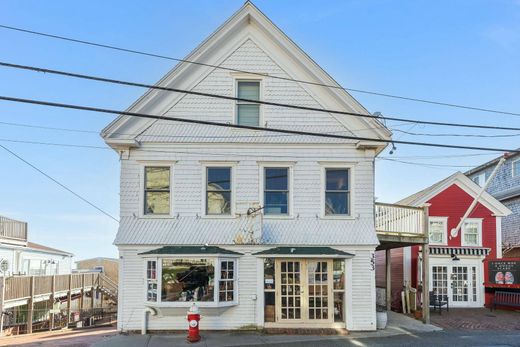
(476, 319)
(62, 338)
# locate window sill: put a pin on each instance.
(216, 216)
(277, 217)
(157, 216)
(338, 217)
(188, 304)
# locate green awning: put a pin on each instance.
(312, 252)
(190, 250)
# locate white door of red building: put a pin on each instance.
(460, 281)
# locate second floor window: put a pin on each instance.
(471, 232)
(218, 191)
(438, 230)
(276, 191)
(337, 192)
(157, 190)
(248, 113)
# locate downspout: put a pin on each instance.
(148, 311)
(455, 232)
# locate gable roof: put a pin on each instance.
(492, 162)
(247, 23)
(42, 248)
(462, 181)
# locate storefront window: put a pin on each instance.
(151, 280)
(269, 290)
(188, 280)
(339, 289)
(227, 280)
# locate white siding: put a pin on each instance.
(307, 225)
(248, 57)
(360, 292)
(363, 292)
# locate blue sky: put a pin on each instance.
(465, 52)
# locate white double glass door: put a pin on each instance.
(304, 293)
(458, 282)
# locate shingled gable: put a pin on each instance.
(248, 23)
(462, 181)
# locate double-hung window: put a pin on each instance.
(248, 112)
(218, 190)
(151, 280)
(337, 191)
(472, 232)
(516, 168)
(157, 190)
(276, 191)
(438, 230)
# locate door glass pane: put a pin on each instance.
(474, 282)
(290, 290)
(440, 281)
(318, 290)
(459, 283)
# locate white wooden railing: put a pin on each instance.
(13, 229)
(399, 219)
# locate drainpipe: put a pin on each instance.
(147, 311)
(455, 232)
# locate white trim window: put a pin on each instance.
(337, 191)
(219, 191)
(438, 230)
(276, 195)
(157, 190)
(472, 232)
(515, 168)
(209, 281)
(480, 179)
(151, 280)
(248, 112)
(227, 281)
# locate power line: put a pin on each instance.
(75, 130)
(225, 97)
(454, 135)
(133, 51)
(59, 183)
(427, 164)
(242, 155)
(237, 126)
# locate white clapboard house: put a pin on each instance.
(257, 228)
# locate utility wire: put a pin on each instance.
(233, 154)
(133, 51)
(453, 135)
(59, 183)
(237, 126)
(75, 130)
(270, 103)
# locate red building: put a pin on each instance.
(456, 258)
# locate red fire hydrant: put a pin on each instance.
(193, 324)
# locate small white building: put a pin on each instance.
(257, 228)
(29, 258)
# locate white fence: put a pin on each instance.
(399, 219)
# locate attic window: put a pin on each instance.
(248, 112)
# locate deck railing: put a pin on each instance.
(19, 287)
(13, 229)
(399, 219)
